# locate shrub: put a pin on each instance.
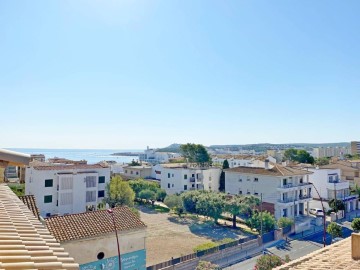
(284, 222)
(203, 265)
(268, 262)
(355, 224)
(205, 246)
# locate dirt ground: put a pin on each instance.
(169, 236)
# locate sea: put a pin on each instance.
(91, 155)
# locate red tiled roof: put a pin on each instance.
(30, 202)
(277, 170)
(77, 226)
(70, 167)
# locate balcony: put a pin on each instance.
(286, 202)
(192, 179)
(287, 187)
(305, 198)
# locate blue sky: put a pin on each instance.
(126, 74)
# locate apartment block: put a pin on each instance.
(66, 189)
(177, 178)
(355, 148)
(287, 189)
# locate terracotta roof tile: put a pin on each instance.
(334, 257)
(70, 167)
(77, 226)
(30, 202)
(276, 170)
(19, 224)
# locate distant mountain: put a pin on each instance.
(174, 148)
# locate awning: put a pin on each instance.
(11, 158)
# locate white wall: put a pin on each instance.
(75, 200)
(86, 250)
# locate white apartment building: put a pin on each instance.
(177, 178)
(154, 157)
(328, 183)
(320, 152)
(66, 189)
(238, 161)
(286, 189)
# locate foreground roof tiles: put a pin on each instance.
(89, 224)
(30, 202)
(276, 170)
(24, 242)
(336, 256)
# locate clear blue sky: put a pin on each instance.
(126, 74)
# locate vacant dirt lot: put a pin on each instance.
(169, 236)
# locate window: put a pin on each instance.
(193, 185)
(240, 192)
(66, 183)
(137, 173)
(48, 199)
(172, 175)
(240, 180)
(48, 183)
(101, 179)
(90, 181)
(168, 185)
(193, 175)
(131, 172)
(66, 198)
(185, 176)
(101, 193)
(125, 171)
(168, 175)
(90, 196)
(172, 185)
(256, 179)
(185, 187)
(255, 193)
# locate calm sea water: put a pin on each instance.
(91, 155)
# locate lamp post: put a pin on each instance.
(324, 224)
(111, 212)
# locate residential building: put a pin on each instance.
(66, 189)
(11, 172)
(277, 154)
(133, 172)
(177, 178)
(330, 186)
(286, 189)
(89, 238)
(245, 161)
(349, 172)
(355, 147)
(321, 152)
(341, 255)
(38, 157)
(154, 157)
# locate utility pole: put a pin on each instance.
(336, 215)
(261, 222)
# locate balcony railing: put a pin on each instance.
(303, 197)
(192, 179)
(287, 186)
(286, 200)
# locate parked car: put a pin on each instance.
(316, 211)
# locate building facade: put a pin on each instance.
(134, 172)
(287, 189)
(330, 186)
(321, 152)
(154, 157)
(183, 177)
(90, 238)
(66, 189)
(355, 148)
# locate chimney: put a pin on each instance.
(355, 246)
(266, 164)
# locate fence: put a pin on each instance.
(201, 253)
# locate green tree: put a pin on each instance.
(268, 262)
(134, 163)
(222, 175)
(138, 185)
(175, 203)
(284, 222)
(195, 153)
(190, 199)
(119, 193)
(160, 194)
(147, 195)
(268, 221)
(250, 204)
(355, 190)
(204, 265)
(322, 161)
(336, 205)
(211, 205)
(355, 224)
(234, 207)
(334, 230)
(299, 156)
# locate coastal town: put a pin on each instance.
(189, 207)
